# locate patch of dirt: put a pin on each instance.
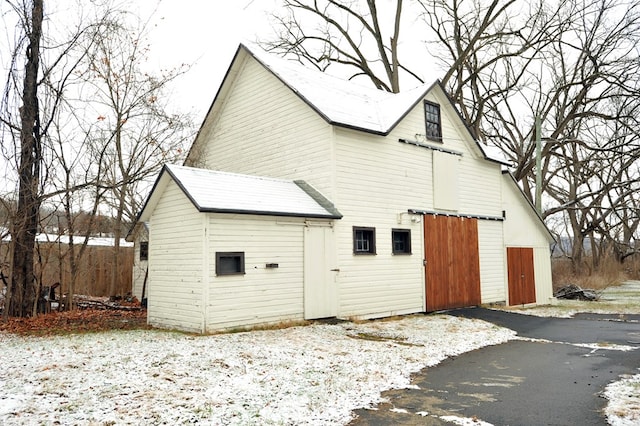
(77, 321)
(378, 338)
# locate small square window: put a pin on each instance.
(364, 240)
(432, 121)
(144, 250)
(230, 263)
(401, 240)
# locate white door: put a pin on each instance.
(320, 293)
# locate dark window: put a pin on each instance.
(364, 240)
(401, 239)
(144, 250)
(432, 120)
(229, 263)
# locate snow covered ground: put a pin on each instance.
(624, 401)
(301, 375)
(315, 374)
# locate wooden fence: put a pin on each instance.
(94, 268)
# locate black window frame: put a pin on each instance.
(239, 258)
(407, 241)
(144, 250)
(432, 121)
(364, 231)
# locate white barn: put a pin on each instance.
(402, 211)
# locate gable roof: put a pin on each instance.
(222, 192)
(340, 102)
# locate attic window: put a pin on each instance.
(364, 240)
(230, 263)
(432, 121)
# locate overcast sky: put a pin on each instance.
(206, 34)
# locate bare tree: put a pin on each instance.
(21, 300)
(486, 49)
(78, 170)
(94, 123)
(347, 32)
(590, 115)
(134, 123)
(49, 71)
(572, 64)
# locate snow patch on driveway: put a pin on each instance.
(464, 421)
(623, 407)
(624, 401)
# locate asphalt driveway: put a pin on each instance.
(554, 375)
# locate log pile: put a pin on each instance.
(575, 292)
(109, 303)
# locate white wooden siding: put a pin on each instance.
(261, 295)
(175, 298)
(265, 129)
(493, 282)
(522, 226)
(378, 179)
(544, 282)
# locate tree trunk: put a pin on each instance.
(23, 286)
(73, 264)
(117, 234)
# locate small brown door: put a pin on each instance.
(522, 283)
(452, 262)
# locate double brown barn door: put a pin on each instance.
(522, 284)
(452, 262)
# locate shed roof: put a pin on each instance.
(222, 192)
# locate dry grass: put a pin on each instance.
(569, 308)
(263, 327)
(363, 320)
(609, 273)
(76, 321)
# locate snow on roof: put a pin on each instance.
(223, 192)
(341, 101)
(494, 153)
(77, 240)
(346, 103)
